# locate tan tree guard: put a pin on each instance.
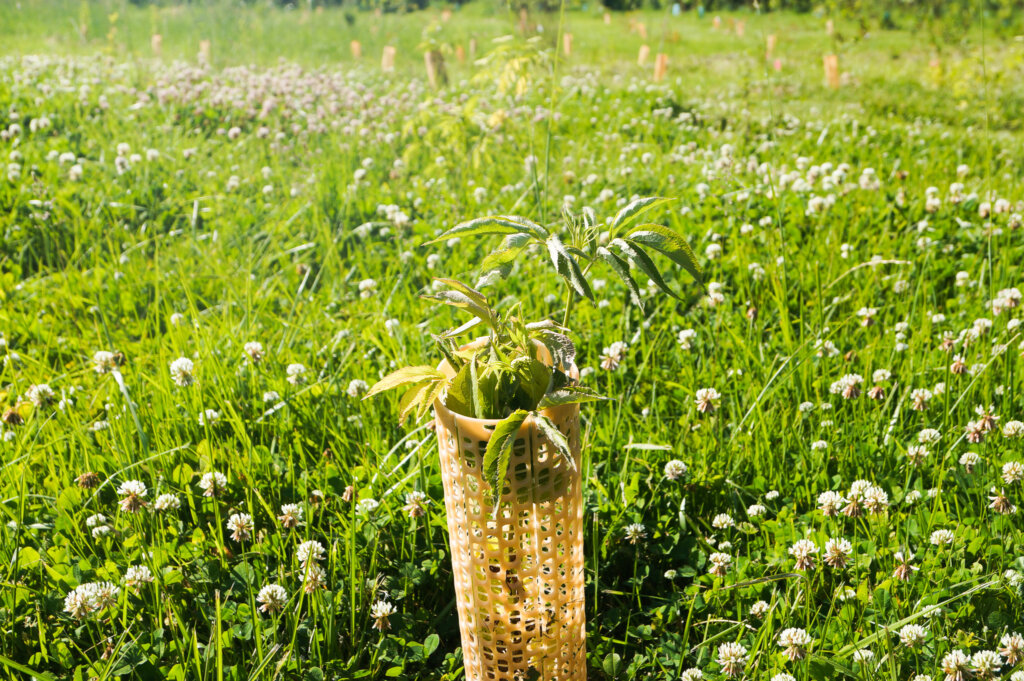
(518, 575)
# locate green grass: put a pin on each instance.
(167, 259)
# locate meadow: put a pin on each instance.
(809, 469)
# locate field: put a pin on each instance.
(206, 261)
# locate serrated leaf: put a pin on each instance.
(561, 347)
(462, 301)
(492, 224)
(639, 257)
(511, 247)
(636, 207)
(404, 376)
(567, 267)
(467, 290)
(573, 395)
(411, 399)
(553, 435)
(534, 378)
(669, 244)
(499, 452)
(621, 268)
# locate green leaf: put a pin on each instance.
(571, 395)
(430, 644)
(643, 261)
(561, 347)
(567, 267)
(511, 247)
(553, 435)
(534, 378)
(460, 392)
(621, 268)
(669, 244)
(634, 208)
(499, 452)
(492, 224)
(463, 302)
(612, 665)
(404, 376)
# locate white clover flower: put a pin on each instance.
(272, 598)
(241, 526)
(686, 338)
(356, 388)
(831, 503)
(41, 395)
(367, 506)
(986, 663)
(379, 612)
(1013, 472)
(296, 374)
(795, 641)
(913, 635)
(182, 372)
(310, 551)
(732, 658)
(956, 665)
(838, 552)
(675, 469)
(720, 563)
(213, 483)
(771, 495)
(722, 521)
(95, 520)
(415, 503)
(819, 445)
(756, 510)
(254, 351)
(942, 537)
(692, 674)
(291, 515)
(133, 491)
(759, 609)
(208, 417)
(863, 655)
(804, 551)
(167, 502)
(137, 575)
(104, 362)
(707, 400)
(635, 532)
(929, 436)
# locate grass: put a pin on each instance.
(171, 257)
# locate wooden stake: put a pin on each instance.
(660, 66)
(567, 44)
(436, 73)
(204, 52)
(770, 43)
(156, 43)
(387, 59)
(641, 58)
(357, 49)
(460, 53)
(472, 48)
(446, 14)
(641, 28)
(716, 23)
(832, 71)
(607, 18)
(830, 27)
(741, 27)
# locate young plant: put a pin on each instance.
(501, 377)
